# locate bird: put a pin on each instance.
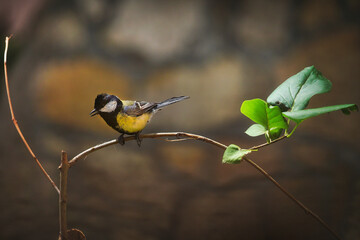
(126, 116)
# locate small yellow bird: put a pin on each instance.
(128, 117)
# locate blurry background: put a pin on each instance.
(219, 53)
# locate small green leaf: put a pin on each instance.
(270, 118)
(301, 115)
(294, 94)
(234, 154)
(255, 130)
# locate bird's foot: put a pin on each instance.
(138, 139)
(121, 139)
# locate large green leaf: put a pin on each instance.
(234, 154)
(299, 116)
(294, 94)
(269, 117)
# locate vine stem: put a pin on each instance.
(177, 135)
(189, 136)
(269, 143)
(64, 169)
(15, 121)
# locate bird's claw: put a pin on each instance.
(121, 139)
(138, 139)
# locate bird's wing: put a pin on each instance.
(134, 108)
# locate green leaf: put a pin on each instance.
(234, 154)
(294, 94)
(270, 118)
(301, 115)
(255, 130)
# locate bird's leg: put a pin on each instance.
(121, 139)
(138, 140)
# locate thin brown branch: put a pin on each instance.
(64, 169)
(15, 122)
(177, 135)
(300, 204)
(178, 140)
(220, 145)
(267, 144)
(85, 153)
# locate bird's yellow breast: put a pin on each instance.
(130, 124)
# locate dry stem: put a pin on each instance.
(267, 144)
(64, 169)
(15, 122)
(150, 135)
(300, 204)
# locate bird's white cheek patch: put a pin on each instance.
(109, 107)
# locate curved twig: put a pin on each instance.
(16, 124)
(300, 204)
(189, 136)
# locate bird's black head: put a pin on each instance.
(105, 103)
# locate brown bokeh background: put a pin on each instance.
(219, 53)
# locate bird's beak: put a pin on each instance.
(94, 112)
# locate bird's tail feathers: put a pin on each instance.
(170, 101)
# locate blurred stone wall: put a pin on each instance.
(217, 52)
